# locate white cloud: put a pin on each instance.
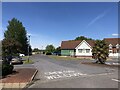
(115, 34)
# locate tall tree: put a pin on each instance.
(83, 38)
(100, 51)
(10, 47)
(16, 30)
(50, 48)
(0, 48)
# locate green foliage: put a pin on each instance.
(58, 49)
(100, 51)
(0, 48)
(36, 50)
(10, 47)
(50, 48)
(7, 69)
(28, 62)
(16, 31)
(83, 38)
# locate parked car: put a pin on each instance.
(21, 55)
(56, 53)
(16, 60)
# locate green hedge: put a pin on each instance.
(7, 69)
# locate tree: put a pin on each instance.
(50, 48)
(58, 49)
(100, 51)
(83, 38)
(16, 31)
(36, 50)
(0, 48)
(10, 47)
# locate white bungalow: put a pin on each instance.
(84, 48)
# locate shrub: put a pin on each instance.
(48, 53)
(7, 69)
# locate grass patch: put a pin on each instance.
(28, 62)
(66, 58)
(25, 57)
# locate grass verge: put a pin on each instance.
(28, 62)
(66, 58)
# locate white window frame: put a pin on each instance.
(110, 46)
(117, 46)
(87, 49)
(79, 50)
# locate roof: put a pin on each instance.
(73, 44)
(113, 41)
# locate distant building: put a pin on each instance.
(84, 48)
(114, 46)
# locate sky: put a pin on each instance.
(50, 22)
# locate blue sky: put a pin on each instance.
(51, 23)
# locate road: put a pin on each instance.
(72, 74)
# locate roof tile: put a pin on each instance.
(72, 44)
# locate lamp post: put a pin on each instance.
(28, 46)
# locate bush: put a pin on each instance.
(48, 53)
(7, 69)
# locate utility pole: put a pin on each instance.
(28, 47)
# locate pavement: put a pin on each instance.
(72, 74)
(19, 78)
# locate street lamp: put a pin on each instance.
(28, 46)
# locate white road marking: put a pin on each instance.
(116, 63)
(116, 80)
(62, 74)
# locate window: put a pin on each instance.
(117, 46)
(87, 50)
(110, 46)
(83, 51)
(80, 50)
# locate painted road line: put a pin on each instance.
(116, 80)
(62, 74)
(99, 74)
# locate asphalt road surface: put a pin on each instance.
(72, 74)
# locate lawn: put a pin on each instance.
(65, 58)
(25, 57)
(28, 62)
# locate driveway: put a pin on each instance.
(72, 74)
